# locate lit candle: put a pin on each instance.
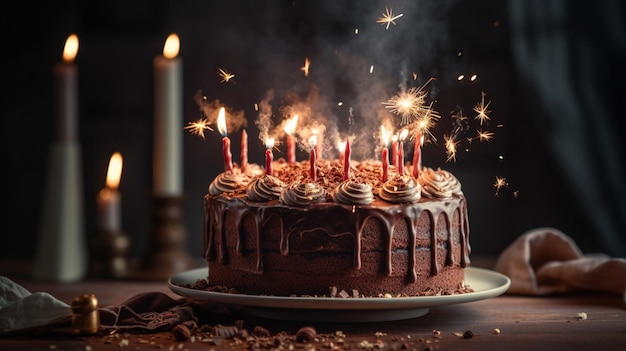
(394, 150)
(168, 123)
(341, 146)
(221, 127)
(346, 161)
(401, 138)
(244, 151)
(269, 156)
(417, 157)
(290, 129)
(313, 157)
(66, 73)
(109, 198)
(385, 153)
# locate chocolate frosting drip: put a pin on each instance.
(401, 189)
(317, 216)
(265, 188)
(353, 193)
(303, 194)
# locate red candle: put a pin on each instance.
(221, 126)
(385, 157)
(244, 151)
(346, 162)
(394, 151)
(290, 128)
(313, 161)
(417, 157)
(269, 156)
(401, 158)
(313, 157)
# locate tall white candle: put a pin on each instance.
(66, 75)
(168, 120)
(109, 198)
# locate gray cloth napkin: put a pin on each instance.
(22, 310)
(545, 261)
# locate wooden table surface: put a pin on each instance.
(505, 322)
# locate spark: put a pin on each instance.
(408, 104)
(482, 110)
(451, 145)
(499, 184)
(388, 18)
(484, 135)
(305, 68)
(198, 127)
(226, 77)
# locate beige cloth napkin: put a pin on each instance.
(545, 261)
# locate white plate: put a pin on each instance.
(485, 283)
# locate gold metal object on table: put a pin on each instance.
(85, 314)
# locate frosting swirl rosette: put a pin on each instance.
(228, 182)
(353, 193)
(454, 183)
(401, 189)
(434, 183)
(303, 194)
(265, 188)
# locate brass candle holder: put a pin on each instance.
(166, 254)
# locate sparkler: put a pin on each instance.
(226, 77)
(198, 127)
(482, 111)
(388, 18)
(451, 145)
(500, 183)
(305, 68)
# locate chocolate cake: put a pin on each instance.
(288, 235)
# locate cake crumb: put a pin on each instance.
(582, 315)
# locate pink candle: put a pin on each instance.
(417, 157)
(244, 151)
(66, 73)
(346, 162)
(269, 156)
(221, 126)
(385, 157)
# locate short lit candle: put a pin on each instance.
(221, 127)
(269, 156)
(109, 198)
(168, 120)
(66, 73)
(417, 157)
(313, 158)
(346, 161)
(290, 129)
(244, 151)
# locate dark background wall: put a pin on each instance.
(265, 43)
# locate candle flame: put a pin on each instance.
(312, 141)
(341, 145)
(71, 48)
(114, 173)
(290, 126)
(221, 122)
(172, 46)
(385, 135)
(269, 143)
(403, 134)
